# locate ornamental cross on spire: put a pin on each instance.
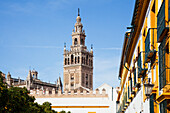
(78, 12)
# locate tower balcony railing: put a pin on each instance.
(141, 67)
(161, 22)
(149, 45)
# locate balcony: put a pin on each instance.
(161, 23)
(149, 45)
(141, 69)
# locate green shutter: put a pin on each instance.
(152, 104)
(163, 107)
(161, 20)
(162, 66)
(134, 77)
(131, 84)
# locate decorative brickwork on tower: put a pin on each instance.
(78, 62)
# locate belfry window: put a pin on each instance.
(86, 76)
(78, 59)
(72, 59)
(68, 61)
(82, 60)
(86, 84)
(65, 61)
(75, 41)
(72, 85)
(87, 60)
(72, 77)
(82, 42)
(75, 60)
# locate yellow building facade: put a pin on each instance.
(146, 60)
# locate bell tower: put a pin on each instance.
(78, 61)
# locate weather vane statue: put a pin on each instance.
(78, 12)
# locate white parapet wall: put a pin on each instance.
(98, 101)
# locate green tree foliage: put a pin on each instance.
(17, 100)
(62, 111)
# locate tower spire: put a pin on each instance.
(78, 12)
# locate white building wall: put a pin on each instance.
(80, 101)
(159, 4)
(137, 105)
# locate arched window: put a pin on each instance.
(75, 41)
(72, 59)
(86, 76)
(86, 84)
(86, 59)
(82, 60)
(75, 60)
(65, 61)
(78, 59)
(68, 61)
(82, 42)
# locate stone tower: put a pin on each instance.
(78, 62)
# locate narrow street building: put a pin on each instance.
(145, 62)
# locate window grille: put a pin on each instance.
(163, 106)
(161, 20)
(162, 64)
(152, 104)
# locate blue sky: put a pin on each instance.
(33, 32)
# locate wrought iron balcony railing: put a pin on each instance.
(141, 67)
(149, 45)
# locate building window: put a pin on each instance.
(87, 59)
(83, 78)
(68, 61)
(86, 76)
(86, 84)
(78, 59)
(134, 73)
(72, 77)
(82, 42)
(75, 41)
(131, 84)
(161, 20)
(128, 92)
(72, 85)
(152, 104)
(163, 63)
(75, 60)
(163, 106)
(65, 61)
(72, 59)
